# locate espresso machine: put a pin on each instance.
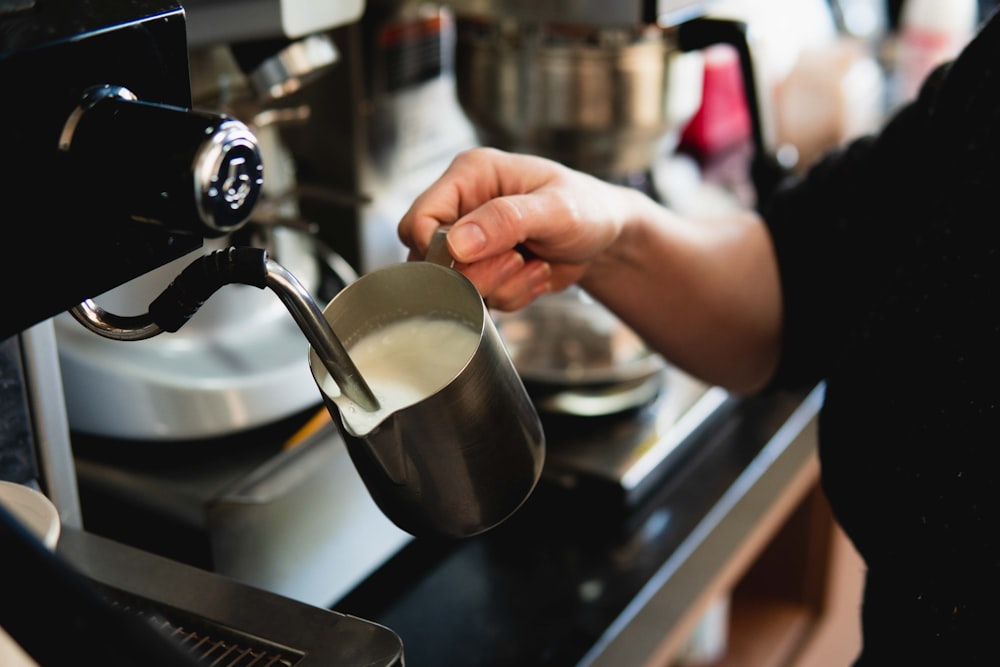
(212, 446)
(112, 174)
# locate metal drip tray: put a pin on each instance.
(206, 642)
(221, 622)
(622, 458)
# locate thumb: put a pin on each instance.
(467, 241)
(501, 224)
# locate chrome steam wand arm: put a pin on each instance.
(322, 338)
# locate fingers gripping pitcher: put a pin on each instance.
(455, 445)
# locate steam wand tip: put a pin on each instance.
(324, 340)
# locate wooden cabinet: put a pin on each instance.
(797, 601)
(771, 552)
(799, 604)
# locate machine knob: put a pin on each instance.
(188, 171)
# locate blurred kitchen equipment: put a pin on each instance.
(456, 456)
(382, 124)
(598, 99)
(823, 82)
(597, 90)
(576, 357)
(591, 346)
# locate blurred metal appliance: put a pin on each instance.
(110, 173)
(602, 87)
(598, 98)
(576, 358)
(384, 124)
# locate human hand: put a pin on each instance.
(522, 225)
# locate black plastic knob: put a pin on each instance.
(188, 171)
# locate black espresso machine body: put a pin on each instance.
(70, 232)
(107, 174)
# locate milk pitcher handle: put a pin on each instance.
(438, 252)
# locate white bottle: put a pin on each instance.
(931, 32)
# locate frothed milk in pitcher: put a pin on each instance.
(403, 363)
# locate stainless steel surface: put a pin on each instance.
(462, 459)
(110, 325)
(437, 251)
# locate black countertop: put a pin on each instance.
(571, 579)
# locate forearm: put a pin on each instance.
(703, 293)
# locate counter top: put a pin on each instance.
(566, 581)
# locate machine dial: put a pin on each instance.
(188, 171)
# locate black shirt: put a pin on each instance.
(890, 269)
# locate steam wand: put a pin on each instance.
(247, 266)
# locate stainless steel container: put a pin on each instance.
(596, 98)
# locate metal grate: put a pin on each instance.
(209, 643)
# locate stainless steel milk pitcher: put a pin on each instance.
(464, 455)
